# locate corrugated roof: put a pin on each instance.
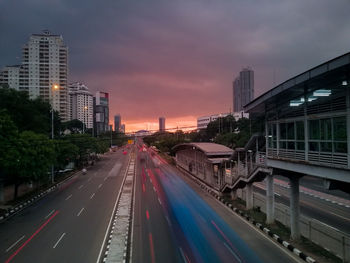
(207, 147)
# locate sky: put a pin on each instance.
(178, 58)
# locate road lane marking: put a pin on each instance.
(168, 220)
(92, 196)
(14, 244)
(80, 211)
(68, 197)
(89, 179)
(50, 214)
(151, 247)
(81, 186)
(159, 201)
(105, 178)
(154, 189)
(184, 257)
(100, 186)
(31, 237)
(58, 241)
(232, 252)
(277, 194)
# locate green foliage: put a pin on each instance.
(27, 115)
(37, 154)
(66, 152)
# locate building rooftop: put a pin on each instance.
(295, 86)
(207, 148)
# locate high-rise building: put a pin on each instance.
(45, 70)
(10, 75)
(80, 104)
(101, 112)
(117, 122)
(243, 89)
(161, 124)
(122, 128)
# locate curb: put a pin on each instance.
(267, 231)
(14, 210)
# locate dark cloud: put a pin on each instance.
(178, 58)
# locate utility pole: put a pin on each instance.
(52, 136)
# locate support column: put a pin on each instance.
(294, 207)
(249, 196)
(348, 120)
(233, 194)
(270, 200)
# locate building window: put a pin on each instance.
(328, 135)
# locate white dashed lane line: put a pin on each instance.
(92, 196)
(58, 241)
(50, 214)
(14, 244)
(81, 210)
(80, 186)
(68, 197)
(100, 186)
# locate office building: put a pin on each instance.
(122, 128)
(117, 122)
(101, 112)
(80, 104)
(161, 124)
(243, 89)
(202, 122)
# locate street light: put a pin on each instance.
(55, 87)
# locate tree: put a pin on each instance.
(36, 155)
(66, 152)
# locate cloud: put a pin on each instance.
(178, 58)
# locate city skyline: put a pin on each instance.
(216, 40)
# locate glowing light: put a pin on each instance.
(322, 93)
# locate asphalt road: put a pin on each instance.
(188, 225)
(69, 224)
(324, 211)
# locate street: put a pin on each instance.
(69, 224)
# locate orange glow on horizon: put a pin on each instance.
(180, 122)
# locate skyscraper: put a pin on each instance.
(117, 122)
(243, 89)
(161, 124)
(80, 104)
(101, 112)
(45, 70)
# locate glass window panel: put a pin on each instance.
(291, 145)
(339, 128)
(283, 145)
(283, 131)
(326, 129)
(313, 146)
(300, 130)
(314, 130)
(290, 130)
(340, 147)
(300, 146)
(326, 146)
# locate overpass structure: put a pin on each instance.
(307, 132)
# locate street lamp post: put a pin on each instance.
(54, 88)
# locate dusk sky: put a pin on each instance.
(178, 58)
